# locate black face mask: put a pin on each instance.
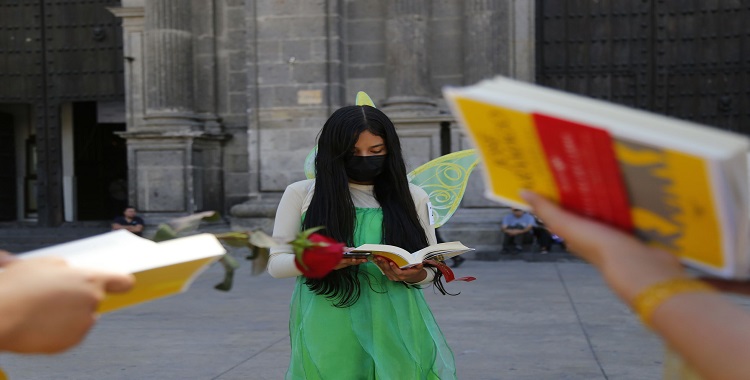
(364, 168)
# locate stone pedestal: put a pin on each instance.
(420, 137)
(174, 174)
(254, 214)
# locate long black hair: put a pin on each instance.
(331, 205)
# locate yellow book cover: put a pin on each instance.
(677, 185)
(161, 269)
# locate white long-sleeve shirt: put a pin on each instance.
(294, 204)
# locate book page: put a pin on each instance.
(404, 259)
(442, 251)
(123, 252)
(447, 246)
(160, 269)
(398, 255)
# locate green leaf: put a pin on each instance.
(164, 232)
(254, 252)
(190, 223)
(261, 239)
(235, 239)
(230, 264)
(260, 262)
(306, 233)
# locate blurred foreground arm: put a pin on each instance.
(710, 332)
(47, 306)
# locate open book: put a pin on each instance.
(405, 259)
(160, 269)
(675, 184)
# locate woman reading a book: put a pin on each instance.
(709, 332)
(359, 323)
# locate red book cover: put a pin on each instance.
(583, 163)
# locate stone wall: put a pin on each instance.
(294, 82)
(231, 100)
(266, 74)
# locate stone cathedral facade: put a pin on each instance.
(224, 98)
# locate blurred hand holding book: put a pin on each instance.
(675, 184)
(160, 269)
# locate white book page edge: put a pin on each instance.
(123, 252)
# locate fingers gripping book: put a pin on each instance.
(676, 185)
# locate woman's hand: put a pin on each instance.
(394, 273)
(349, 261)
(48, 306)
(627, 264)
(6, 258)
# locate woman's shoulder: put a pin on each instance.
(417, 192)
(304, 186)
(299, 193)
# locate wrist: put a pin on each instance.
(648, 300)
(418, 277)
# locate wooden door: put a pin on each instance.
(7, 168)
(688, 59)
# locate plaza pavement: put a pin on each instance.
(518, 320)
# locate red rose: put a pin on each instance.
(317, 255)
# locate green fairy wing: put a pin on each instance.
(310, 163)
(445, 179)
(362, 100)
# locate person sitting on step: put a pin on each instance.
(517, 227)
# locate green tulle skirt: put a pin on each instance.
(389, 333)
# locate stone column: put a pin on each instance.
(486, 51)
(168, 54)
(498, 39)
(408, 87)
(204, 47)
(523, 41)
(133, 20)
(174, 166)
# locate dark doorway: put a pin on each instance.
(100, 165)
(7, 168)
(53, 53)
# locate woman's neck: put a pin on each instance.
(361, 183)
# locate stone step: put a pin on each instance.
(22, 238)
(18, 237)
(477, 228)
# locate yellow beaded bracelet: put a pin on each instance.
(649, 299)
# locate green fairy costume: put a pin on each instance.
(389, 333)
